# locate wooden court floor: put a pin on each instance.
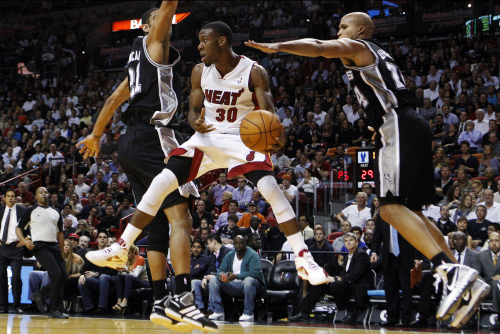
(37, 324)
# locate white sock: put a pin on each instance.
(129, 235)
(296, 242)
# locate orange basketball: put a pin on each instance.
(259, 129)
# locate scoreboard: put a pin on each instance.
(365, 166)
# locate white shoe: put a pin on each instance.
(114, 256)
(245, 317)
(460, 280)
(309, 270)
(217, 316)
(478, 292)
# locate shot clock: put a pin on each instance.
(365, 163)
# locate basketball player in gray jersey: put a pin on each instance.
(152, 86)
(404, 153)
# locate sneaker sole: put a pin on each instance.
(116, 264)
(444, 313)
(178, 317)
(463, 315)
(305, 276)
(167, 322)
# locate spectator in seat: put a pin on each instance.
(481, 124)
(199, 262)
(280, 161)
(472, 137)
(493, 228)
(490, 182)
(96, 278)
(301, 167)
(99, 181)
(255, 228)
(253, 211)
(84, 214)
(200, 213)
(306, 230)
(216, 190)
(488, 160)
(356, 214)
(490, 271)
(361, 133)
(445, 181)
(327, 261)
(492, 207)
(134, 276)
(74, 263)
(261, 203)
(342, 160)
(82, 189)
(245, 280)
(338, 243)
(428, 112)
(223, 217)
(354, 281)
(93, 219)
(478, 228)
(467, 161)
(109, 220)
(27, 197)
(444, 224)
(124, 209)
(217, 253)
(67, 229)
(321, 169)
(368, 190)
(230, 230)
(242, 194)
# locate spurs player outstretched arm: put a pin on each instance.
(158, 41)
(259, 84)
(196, 115)
(91, 144)
(350, 51)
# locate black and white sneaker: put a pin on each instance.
(479, 291)
(459, 280)
(159, 317)
(183, 308)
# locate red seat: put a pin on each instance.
(280, 174)
(334, 235)
(480, 178)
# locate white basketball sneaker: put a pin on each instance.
(309, 270)
(459, 281)
(479, 291)
(114, 256)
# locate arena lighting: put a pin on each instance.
(469, 5)
(136, 24)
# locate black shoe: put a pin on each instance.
(58, 315)
(299, 317)
(420, 323)
(100, 311)
(183, 308)
(4, 310)
(40, 304)
(18, 310)
(350, 317)
(389, 323)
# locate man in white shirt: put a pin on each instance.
(432, 92)
(431, 210)
(319, 115)
(357, 214)
(348, 106)
(492, 207)
(433, 74)
(57, 157)
(72, 97)
(480, 124)
(30, 102)
(288, 188)
(81, 187)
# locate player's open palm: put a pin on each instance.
(91, 146)
(264, 47)
(200, 125)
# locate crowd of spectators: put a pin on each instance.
(454, 82)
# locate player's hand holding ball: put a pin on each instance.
(262, 131)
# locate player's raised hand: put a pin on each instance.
(200, 125)
(280, 142)
(264, 47)
(91, 146)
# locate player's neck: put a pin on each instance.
(227, 62)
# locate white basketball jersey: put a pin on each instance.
(227, 99)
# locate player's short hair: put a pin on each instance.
(147, 15)
(221, 29)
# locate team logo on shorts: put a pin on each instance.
(240, 79)
(251, 156)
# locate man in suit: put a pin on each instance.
(354, 281)
(490, 271)
(11, 252)
(398, 258)
(255, 228)
(217, 253)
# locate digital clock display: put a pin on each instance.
(365, 164)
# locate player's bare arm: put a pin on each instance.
(351, 52)
(259, 84)
(196, 115)
(91, 144)
(158, 41)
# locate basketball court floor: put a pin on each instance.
(38, 324)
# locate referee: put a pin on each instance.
(47, 234)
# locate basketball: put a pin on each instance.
(259, 129)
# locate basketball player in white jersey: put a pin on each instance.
(402, 138)
(224, 83)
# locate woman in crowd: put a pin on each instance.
(310, 149)
(99, 196)
(73, 265)
(291, 145)
(346, 133)
(462, 227)
(477, 191)
(490, 182)
(308, 183)
(375, 208)
(134, 276)
(291, 172)
(463, 181)
(327, 134)
(226, 197)
(464, 209)
(449, 142)
(83, 229)
(439, 159)
(452, 197)
(328, 100)
(488, 159)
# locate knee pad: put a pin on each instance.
(162, 185)
(273, 194)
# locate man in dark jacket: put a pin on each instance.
(354, 281)
(199, 262)
(217, 253)
(444, 224)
